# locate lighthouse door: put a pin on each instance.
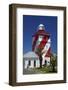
(45, 62)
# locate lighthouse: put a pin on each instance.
(41, 39)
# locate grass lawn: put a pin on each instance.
(45, 69)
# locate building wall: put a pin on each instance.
(26, 63)
(37, 63)
(47, 61)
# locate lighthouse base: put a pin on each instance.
(46, 61)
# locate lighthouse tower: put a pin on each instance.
(42, 39)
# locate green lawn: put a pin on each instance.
(44, 69)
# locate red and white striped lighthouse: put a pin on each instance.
(42, 39)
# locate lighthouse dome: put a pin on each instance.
(41, 27)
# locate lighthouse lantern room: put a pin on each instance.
(41, 39)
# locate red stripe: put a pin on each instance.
(48, 54)
(43, 42)
(34, 43)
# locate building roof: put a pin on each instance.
(31, 55)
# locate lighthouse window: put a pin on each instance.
(40, 38)
(46, 46)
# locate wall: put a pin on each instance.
(4, 47)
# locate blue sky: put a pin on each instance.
(30, 24)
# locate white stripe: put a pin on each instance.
(46, 48)
(38, 42)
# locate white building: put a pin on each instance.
(30, 60)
